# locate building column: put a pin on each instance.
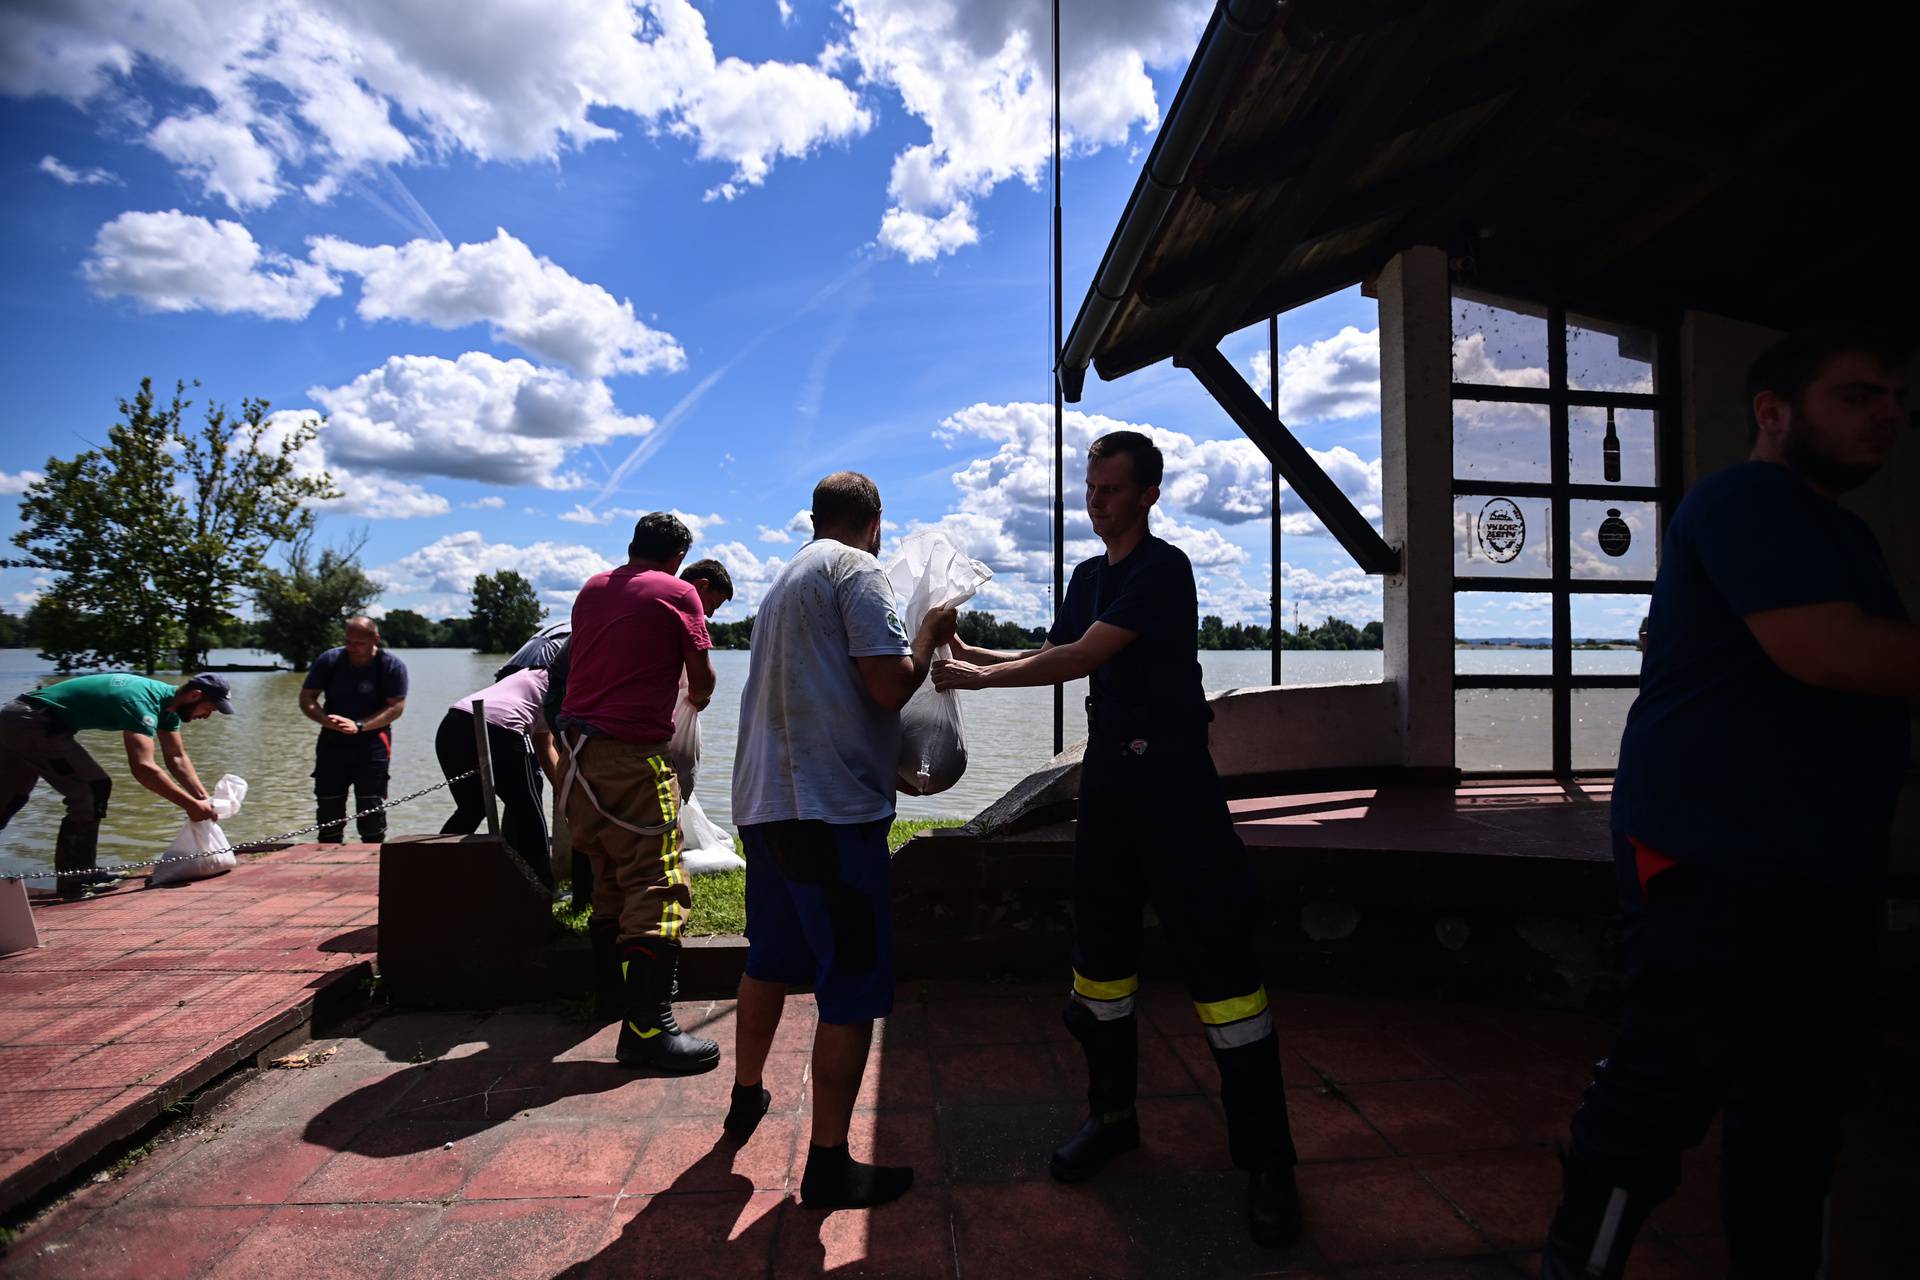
(1416, 482)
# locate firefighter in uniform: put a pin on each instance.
(1152, 827)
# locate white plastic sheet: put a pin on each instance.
(931, 573)
(705, 845)
(202, 848)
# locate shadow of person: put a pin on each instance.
(708, 1212)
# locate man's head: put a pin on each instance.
(846, 508)
(660, 541)
(1830, 402)
(363, 638)
(711, 579)
(203, 695)
(1123, 482)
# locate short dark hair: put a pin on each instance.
(1790, 366)
(845, 500)
(659, 535)
(1148, 465)
(713, 571)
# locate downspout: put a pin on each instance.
(1229, 40)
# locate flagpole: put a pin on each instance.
(1059, 404)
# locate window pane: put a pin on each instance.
(1598, 717)
(1628, 457)
(1503, 633)
(1507, 729)
(1501, 537)
(1614, 540)
(1496, 441)
(1603, 356)
(1606, 633)
(1498, 341)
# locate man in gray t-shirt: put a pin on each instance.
(813, 787)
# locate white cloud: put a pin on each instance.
(801, 523)
(786, 12)
(86, 177)
(779, 536)
(375, 497)
(1331, 378)
(309, 93)
(172, 261)
(492, 502)
(503, 422)
(12, 482)
(445, 569)
(979, 75)
(528, 301)
(696, 525)
(751, 574)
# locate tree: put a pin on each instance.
(303, 609)
(154, 533)
(988, 632)
(506, 610)
(405, 629)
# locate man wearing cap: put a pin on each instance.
(353, 693)
(36, 741)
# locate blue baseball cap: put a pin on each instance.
(216, 689)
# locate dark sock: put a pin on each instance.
(750, 1102)
(835, 1180)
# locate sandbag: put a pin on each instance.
(931, 573)
(683, 749)
(202, 849)
(705, 845)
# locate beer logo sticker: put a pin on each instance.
(1502, 530)
(1615, 535)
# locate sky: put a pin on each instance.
(539, 266)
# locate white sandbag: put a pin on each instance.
(931, 573)
(684, 747)
(704, 844)
(202, 848)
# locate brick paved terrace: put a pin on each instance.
(508, 1145)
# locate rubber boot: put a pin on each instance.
(1273, 1207)
(1113, 1070)
(649, 1036)
(604, 935)
(75, 850)
(1594, 1227)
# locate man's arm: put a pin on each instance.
(700, 679)
(395, 708)
(148, 773)
(173, 749)
(549, 758)
(1055, 664)
(892, 679)
(310, 708)
(1839, 646)
(992, 657)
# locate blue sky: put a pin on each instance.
(562, 262)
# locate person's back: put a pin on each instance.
(813, 744)
(633, 630)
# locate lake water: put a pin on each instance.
(270, 744)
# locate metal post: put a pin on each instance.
(1059, 404)
(1273, 398)
(485, 758)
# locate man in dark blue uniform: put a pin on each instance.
(1153, 827)
(1751, 814)
(353, 693)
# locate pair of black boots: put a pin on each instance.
(1113, 1128)
(75, 850)
(636, 983)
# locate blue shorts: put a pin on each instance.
(820, 911)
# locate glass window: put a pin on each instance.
(1613, 540)
(1503, 729)
(1606, 633)
(1494, 440)
(1499, 341)
(1598, 717)
(1602, 356)
(1502, 537)
(1604, 446)
(1503, 633)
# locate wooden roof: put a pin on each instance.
(1626, 156)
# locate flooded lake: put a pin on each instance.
(270, 744)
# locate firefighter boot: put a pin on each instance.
(607, 983)
(74, 850)
(1254, 1096)
(649, 1037)
(1594, 1227)
(1113, 1067)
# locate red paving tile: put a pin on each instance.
(691, 1237)
(688, 1154)
(558, 1159)
(1380, 1211)
(1023, 1230)
(997, 1073)
(320, 1243)
(1326, 1127)
(152, 1243)
(1358, 1055)
(405, 1161)
(510, 1240)
(910, 1239)
(1427, 1116)
(1509, 1195)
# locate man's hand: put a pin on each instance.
(200, 809)
(340, 724)
(957, 675)
(939, 626)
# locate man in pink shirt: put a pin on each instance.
(635, 629)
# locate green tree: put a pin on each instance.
(405, 629)
(988, 632)
(154, 534)
(453, 633)
(505, 611)
(303, 608)
(731, 635)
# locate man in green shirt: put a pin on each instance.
(37, 741)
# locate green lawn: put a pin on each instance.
(720, 898)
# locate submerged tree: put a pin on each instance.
(506, 610)
(304, 608)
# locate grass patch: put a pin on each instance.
(720, 898)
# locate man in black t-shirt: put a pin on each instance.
(353, 693)
(1152, 827)
(1751, 814)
